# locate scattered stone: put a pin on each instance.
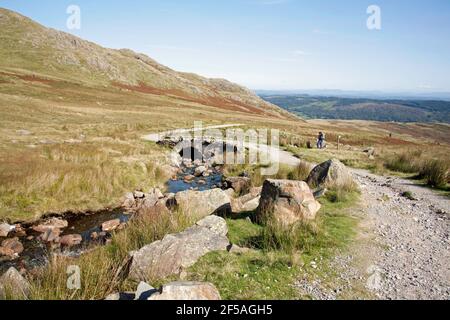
(238, 250)
(128, 201)
(94, 235)
(370, 152)
(51, 224)
(144, 291)
(110, 225)
(5, 229)
(241, 185)
(126, 296)
(71, 240)
(13, 283)
(187, 291)
(200, 204)
(139, 195)
(199, 171)
(179, 251)
(288, 201)
(374, 282)
(14, 245)
(50, 235)
(24, 132)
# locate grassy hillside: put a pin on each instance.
(30, 50)
(317, 107)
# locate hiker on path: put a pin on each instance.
(321, 140)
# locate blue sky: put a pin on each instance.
(274, 44)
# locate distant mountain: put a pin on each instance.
(320, 107)
(28, 49)
(377, 95)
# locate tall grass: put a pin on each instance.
(60, 178)
(435, 173)
(407, 161)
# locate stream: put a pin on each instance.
(36, 252)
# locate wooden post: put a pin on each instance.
(338, 141)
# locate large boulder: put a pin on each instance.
(179, 251)
(199, 204)
(187, 291)
(13, 285)
(287, 201)
(328, 174)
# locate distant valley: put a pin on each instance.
(353, 108)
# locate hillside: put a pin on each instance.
(30, 49)
(319, 107)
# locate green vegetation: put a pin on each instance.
(277, 257)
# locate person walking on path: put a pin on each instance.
(321, 140)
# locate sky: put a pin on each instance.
(273, 44)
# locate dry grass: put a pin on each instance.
(436, 173)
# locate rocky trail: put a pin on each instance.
(412, 255)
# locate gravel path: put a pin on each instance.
(412, 259)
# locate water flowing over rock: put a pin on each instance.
(330, 173)
(176, 252)
(200, 204)
(287, 201)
